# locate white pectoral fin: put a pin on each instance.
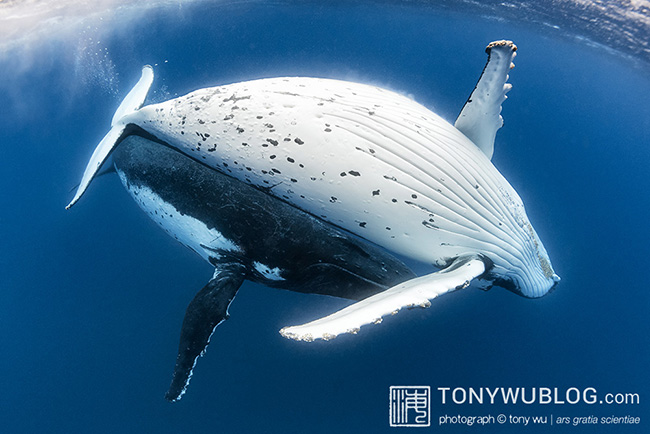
(131, 103)
(98, 158)
(480, 117)
(135, 98)
(413, 293)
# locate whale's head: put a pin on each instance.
(530, 273)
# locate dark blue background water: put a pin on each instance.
(92, 299)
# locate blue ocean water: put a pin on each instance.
(93, 298)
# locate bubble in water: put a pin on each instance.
(93, 64)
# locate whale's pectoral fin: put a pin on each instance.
(412, 293)
(480, 117)
(136, 96)
(206, 311)
(131, 103)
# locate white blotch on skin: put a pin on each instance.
(269, 273)
(186, 229)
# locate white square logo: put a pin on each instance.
(410, 406)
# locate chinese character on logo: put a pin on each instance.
(409, 405)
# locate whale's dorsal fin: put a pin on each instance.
(412, 293)
(131, 103)
(480, 117)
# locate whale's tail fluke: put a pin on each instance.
(132, 103)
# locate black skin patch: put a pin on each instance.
(268, 230)
(235, 98)
(429, 225)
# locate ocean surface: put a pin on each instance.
(92, 299)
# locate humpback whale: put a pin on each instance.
(317, 185)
